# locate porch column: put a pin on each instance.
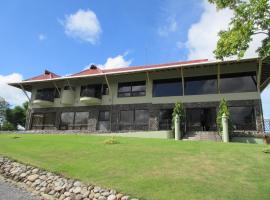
(225, 128)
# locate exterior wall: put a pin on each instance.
(153, 123)
(112, 98)
(114, 104)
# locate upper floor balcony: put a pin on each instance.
(91, 94)
(45, 97)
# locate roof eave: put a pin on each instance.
(135, 71)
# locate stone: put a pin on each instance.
(111, 197)
(32, 177)
(23, 175)
(85, 193)
(119, 196)
(106, 193)
(46, 197)
(77, 184)
(77, 190)
(97, 189)
(92, 195)
(34, 171)
(78, 197)
(125, 198)
(67, 194)
(101, 198)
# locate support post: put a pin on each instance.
(259, 76)
(57, 88)
(25, 93)
(225, 128)
(183, 81)
(177, 133)
(218, 78)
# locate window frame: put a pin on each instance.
(131, 92)
(96, 87)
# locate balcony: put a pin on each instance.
(91, 95)
(45, 97)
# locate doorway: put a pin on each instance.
(201, 119)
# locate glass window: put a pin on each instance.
(67, 120)
(43, 121)
(165, 119)
(91, 91)
(141, 116)
(37, 121)
(167, 87)
(243, 118)
(81, 120)
(49, 121)
(104, 121)
(126, 116)
(47, 94)
(244, 82)
(105, 89)
(104, 116)
(201, 85)
(131, 89)
(126, 120)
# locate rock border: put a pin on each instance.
(50, 186)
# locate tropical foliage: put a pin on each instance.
(251, 17)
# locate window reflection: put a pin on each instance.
(201, 85)
(104, 121)
(243, 118)
(244, 82)
(165, 119)
(167, 87)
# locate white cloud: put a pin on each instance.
(203, 35)
(42, 37)
(83, 25)
(169, 27)
(12, 95)
(114, 62)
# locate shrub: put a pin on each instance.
(223, 109)
(111, 141)
(7, 126)
(179, 109)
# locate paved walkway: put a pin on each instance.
(11, 192)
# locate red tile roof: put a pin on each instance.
(46, 76)
(132, 68)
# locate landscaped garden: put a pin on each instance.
(150, 168)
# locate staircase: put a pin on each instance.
(201, 135)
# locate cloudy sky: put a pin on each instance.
(66, 36)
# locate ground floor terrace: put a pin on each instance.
(245, 115)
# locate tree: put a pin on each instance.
(3, 107)
(223, 109)
(179, 109)
(251, 17)
(17, 115)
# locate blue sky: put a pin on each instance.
(66, 36)
(126, 26)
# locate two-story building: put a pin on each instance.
(143, 97)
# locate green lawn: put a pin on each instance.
(150, 168)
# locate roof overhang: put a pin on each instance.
(266, 65)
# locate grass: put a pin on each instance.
(150, 168)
